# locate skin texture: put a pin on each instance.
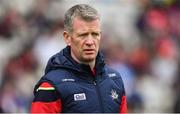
(84, 40)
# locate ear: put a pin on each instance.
(67, 38)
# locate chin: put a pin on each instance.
(89, 59)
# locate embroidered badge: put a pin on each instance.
(79, 97)
(114, 94)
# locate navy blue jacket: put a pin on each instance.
(82, 91)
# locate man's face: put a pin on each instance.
(84, 40)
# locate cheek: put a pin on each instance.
(77, 45)
(74, 42)
(97, 42)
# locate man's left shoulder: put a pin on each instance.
(115, 76)
(112, 73)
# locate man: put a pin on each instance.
(76, 79)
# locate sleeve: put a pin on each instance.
(46, 100)
(123, 105)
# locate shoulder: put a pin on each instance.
(57, 75)
(114, 75)
(54, 77)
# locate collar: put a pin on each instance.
(99, 66)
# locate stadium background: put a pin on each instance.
(140, 39)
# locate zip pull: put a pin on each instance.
(94, 82)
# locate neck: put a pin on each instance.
(91, 63)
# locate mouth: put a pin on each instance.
(89, 51)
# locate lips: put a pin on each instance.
(89, 51)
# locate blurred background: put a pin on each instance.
(141, 39)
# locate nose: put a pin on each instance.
(89, 41)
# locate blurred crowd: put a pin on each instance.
(140, 39)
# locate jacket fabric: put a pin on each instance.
(81, 90)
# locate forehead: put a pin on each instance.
(82, 25)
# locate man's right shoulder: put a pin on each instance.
(56, 76)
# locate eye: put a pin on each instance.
(84, 34)
(95, 34)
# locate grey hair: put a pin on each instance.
(83, 11)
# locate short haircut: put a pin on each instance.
(82, 11)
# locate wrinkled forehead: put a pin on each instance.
(80, 24)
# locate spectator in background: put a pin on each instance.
(77, 79)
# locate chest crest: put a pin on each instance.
(114, 94)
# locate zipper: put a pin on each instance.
(99, 95)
